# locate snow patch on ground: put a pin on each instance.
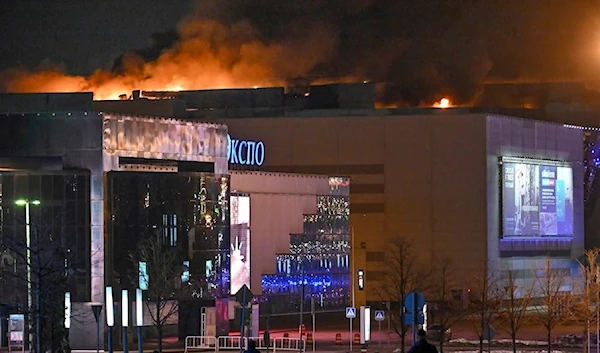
(501, 342)
(494, 351)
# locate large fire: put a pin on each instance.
(209, 55)
(442, 103)
(106, 85)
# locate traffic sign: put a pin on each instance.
(97, 309)
(488, 333)
(244, 295)
(409, 319)
(379, 315)
(414, 300)
(350, 312)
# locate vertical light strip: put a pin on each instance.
(124, 308)
(67, 310)
(110, 308)
(139, 312)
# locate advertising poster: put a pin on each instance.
(16, 330)
(548, 200)
(240, 243)
(536, 200)
(564, 200)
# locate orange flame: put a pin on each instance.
(442, 103)
(209, 55)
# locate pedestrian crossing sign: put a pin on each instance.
(379, 315)
(350, 312)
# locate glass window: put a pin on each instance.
(317, 263)
(182, 208)
(53, 225)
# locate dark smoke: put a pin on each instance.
(419, 51)
(160, 41)
(422, 50)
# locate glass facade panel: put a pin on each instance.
(190, 211)
(60, 233)
(317, 265)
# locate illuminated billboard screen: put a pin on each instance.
(537, 198)
(240, 243)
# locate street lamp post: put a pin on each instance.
(26, 203)
(97, 310)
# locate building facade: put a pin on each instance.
(119, 178)
(297, 240)
(137, 176)
(464, 186)
(435, 179)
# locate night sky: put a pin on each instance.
(81, 35)
(421, 49)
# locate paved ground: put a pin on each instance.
(383, 342)
(463, 330)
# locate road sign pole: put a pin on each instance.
(415, 317)
(244, 297)
(350, 314)
(242, 325)
(314, 337)
(313, 309)
(379, 317)
(389, 328)
(350, 334)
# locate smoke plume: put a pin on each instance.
(419, 51)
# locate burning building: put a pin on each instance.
(118, 178)
(410, 177)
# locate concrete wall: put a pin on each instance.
(45, 102)
(233, 98)
(418, 176)
(76, 138)
(172, 108)
(514, 137)
(278, 203)
(83, 140)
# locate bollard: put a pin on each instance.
(302, 330)
(356, 338)
(338, 339)
(309, 338)
(286, 340)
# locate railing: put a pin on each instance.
(288, 344)
(231, 342)
(260, 342)
(198, 343)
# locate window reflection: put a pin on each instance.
(190, 211)
(60, 227)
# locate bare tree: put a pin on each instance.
(515, 301)
(51, 269)
(585, 301)
(449, 311)
(403, 275)
(164, 268)
(483, 297)
(553, 303)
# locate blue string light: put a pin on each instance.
(317, 258)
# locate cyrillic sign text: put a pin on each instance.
(245, 152)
